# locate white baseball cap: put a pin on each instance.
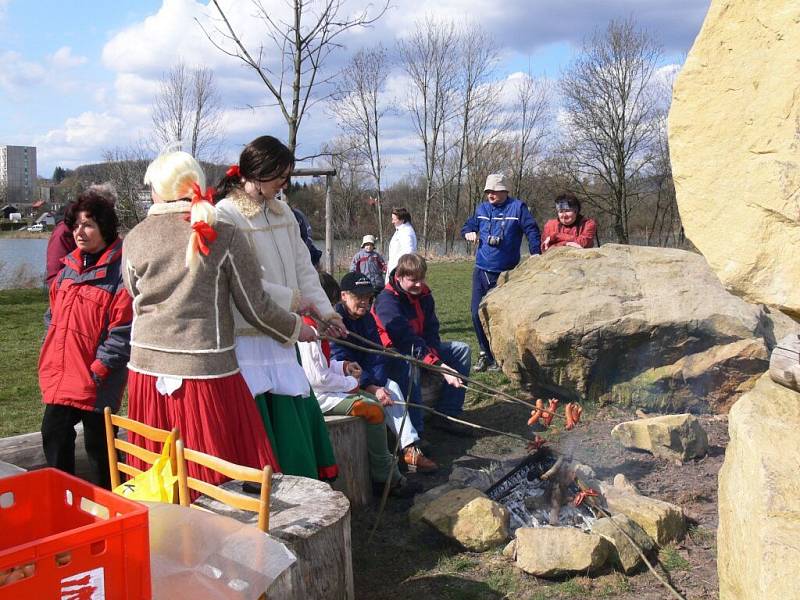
(496, 182)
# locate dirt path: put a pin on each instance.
(406, 562)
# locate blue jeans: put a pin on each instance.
(457, 355)
(482, 282)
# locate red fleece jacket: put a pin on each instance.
(581, 232)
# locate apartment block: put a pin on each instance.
(18, 174)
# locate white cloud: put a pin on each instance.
(18, 75)
(64, 59)
(77, 142)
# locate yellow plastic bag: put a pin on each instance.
(157, 484)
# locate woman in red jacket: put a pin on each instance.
(571, 228)
(82, 365)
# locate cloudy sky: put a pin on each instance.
(78, 77)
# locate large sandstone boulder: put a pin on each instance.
(646, 326)
(734, 148)
(675, 437)
(470, 518)
(558, 551)
(759, 510)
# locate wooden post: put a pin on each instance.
(328, 225)
(329, 173)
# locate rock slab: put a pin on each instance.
(558, 551)
(469, 517)
(759, 513)
(662, 521)
(626, 555)
(734, 148)
(675, 437)
(645, 327)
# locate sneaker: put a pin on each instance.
(493, 367)
(485, 363)
(417, 462)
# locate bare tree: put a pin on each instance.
(531, 115)
(610, 118)
(478, 111)
(188, 109)
(427, 56)
(665, 228)
(348, 184)
(126, 168)
(359, 109)
(303, 43)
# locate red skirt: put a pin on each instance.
(215, 416)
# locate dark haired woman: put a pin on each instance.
(404, 239)
(186, 272)
(82, 365)
(571, 228)
(273, 373)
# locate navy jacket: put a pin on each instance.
(406, 321)
(373, 365)
(508, 221)
(305, 235)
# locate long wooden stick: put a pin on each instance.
(395, 458)
(372, 348)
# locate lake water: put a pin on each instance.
(24, 257)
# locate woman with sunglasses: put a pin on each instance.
(291, 414)
(571, 228)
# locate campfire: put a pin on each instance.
(542, 490)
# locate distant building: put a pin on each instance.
(18, 174)
(8, 210)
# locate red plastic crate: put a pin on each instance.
(84, 542)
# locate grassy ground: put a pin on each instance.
(20, 339)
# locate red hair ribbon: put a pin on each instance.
(233, 171)
(205, 236)
(198, 195)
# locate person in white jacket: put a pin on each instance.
(290, 412)
(404, 240)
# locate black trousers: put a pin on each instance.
(58, 441)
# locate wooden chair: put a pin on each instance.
(228, 469)
(115, 444)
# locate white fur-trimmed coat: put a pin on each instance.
(286, 269)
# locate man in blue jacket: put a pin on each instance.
(497, 226)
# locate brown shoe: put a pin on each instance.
(417, 462)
